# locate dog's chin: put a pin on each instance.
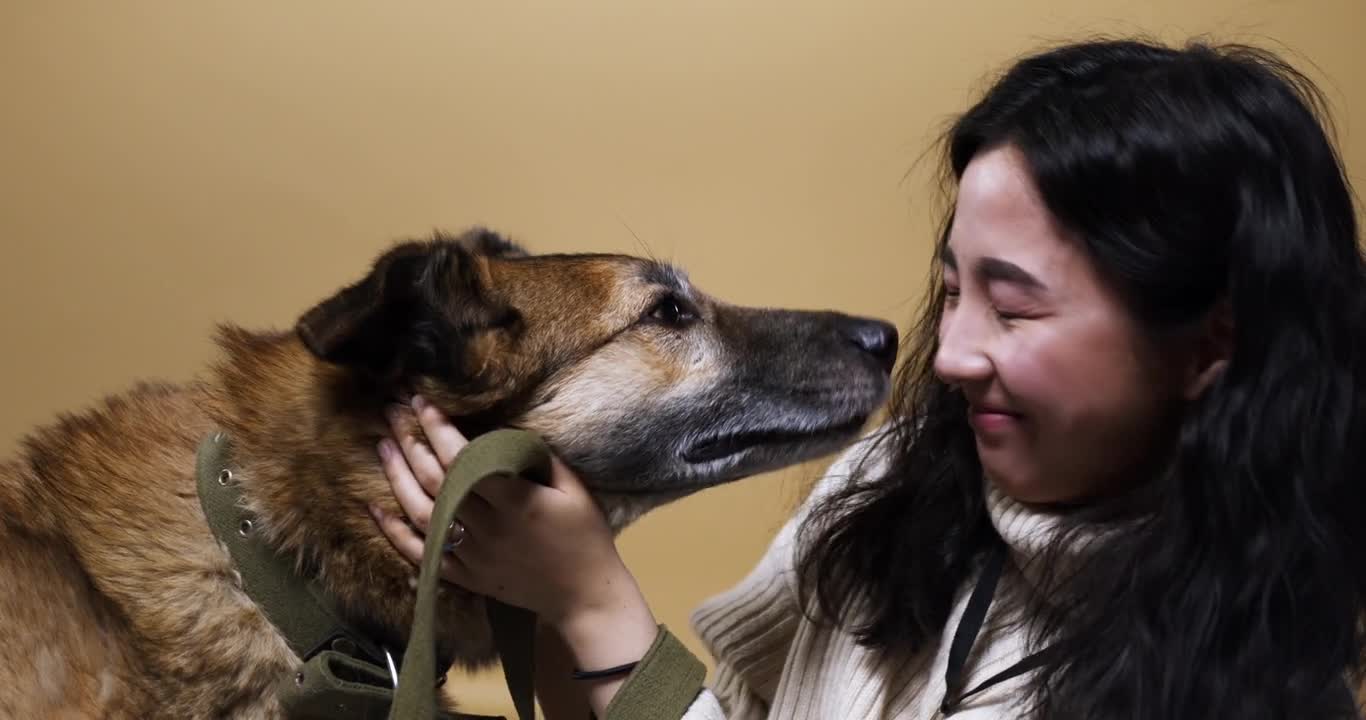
(727, 458)
(719, 460)
(757, 450)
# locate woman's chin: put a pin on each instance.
(1028, 491)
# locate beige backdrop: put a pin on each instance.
(167, 165)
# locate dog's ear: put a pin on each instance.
(486, 243)
(413, 312)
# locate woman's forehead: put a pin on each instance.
(1001, 218)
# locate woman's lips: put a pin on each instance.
(992, 420)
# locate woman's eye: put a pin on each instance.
(672, 311)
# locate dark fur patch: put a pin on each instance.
(412, 312)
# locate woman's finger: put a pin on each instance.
(414, 500)
(564, 479)
(403, 537)
(425, 465)
(444, 438)
(411, 545)
(474, 512)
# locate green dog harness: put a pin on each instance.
(342, 673)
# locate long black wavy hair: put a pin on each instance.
(1194, 178)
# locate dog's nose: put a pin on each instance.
(874, 337)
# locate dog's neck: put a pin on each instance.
(305, 434)
(305, 437)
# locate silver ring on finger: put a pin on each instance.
(455, 534)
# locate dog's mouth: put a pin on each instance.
(719, 447)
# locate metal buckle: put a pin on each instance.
(393, 671)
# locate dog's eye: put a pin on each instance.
(672, 311)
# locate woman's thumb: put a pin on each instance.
(564, 479)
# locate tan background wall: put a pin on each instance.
(167, 165)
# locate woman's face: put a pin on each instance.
(1067, 398)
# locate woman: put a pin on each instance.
(1123, 476)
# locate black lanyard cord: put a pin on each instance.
(969, 626)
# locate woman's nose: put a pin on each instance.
(961, 358)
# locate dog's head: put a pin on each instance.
(648, 387)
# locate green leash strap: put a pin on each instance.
(514, 634)
(501, 452)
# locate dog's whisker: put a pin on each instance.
(645, 248)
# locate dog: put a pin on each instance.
(117, 601)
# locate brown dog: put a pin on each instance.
(116, 601)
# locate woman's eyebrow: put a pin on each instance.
(996, 269)
(990, 268)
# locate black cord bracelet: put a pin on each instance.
(606, 672)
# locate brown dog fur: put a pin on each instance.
(117, 601)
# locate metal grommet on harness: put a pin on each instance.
(225, 477)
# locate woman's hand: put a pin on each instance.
(546, 548)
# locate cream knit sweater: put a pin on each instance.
(774, 663)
